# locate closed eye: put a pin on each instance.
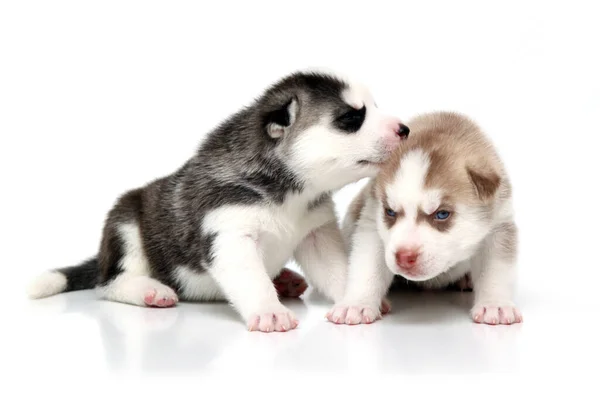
(352, 120)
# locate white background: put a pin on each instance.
(100, 97)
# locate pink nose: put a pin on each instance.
(407, 258)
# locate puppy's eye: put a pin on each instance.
(390, 213)
(442, 215)
(351, 120)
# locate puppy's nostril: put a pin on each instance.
(407, 259)
(403, 131)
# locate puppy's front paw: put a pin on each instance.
(494, 313)
(353, 314)
(278, 319)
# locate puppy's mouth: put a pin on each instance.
(370, 163)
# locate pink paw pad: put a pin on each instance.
(153, 298)
(496, 315)
(353, 315)
(270, 322)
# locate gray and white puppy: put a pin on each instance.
(256, 194)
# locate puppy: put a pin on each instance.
(440, 209)
(256, 193)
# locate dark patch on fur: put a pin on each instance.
(318, 201)
(485, 184)
(127, 210)
(81, 277)
(351, 120)
(280, 116)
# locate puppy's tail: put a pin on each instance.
(79, 277)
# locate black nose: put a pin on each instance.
(403, 131)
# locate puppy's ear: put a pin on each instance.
(485, 182)
(279, 121)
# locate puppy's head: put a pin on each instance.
(436, 198)
(328, 129)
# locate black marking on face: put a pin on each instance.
(351, 120)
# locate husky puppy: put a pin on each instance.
(439, 210)
(256, 194)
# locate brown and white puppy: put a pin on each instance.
(439, 209)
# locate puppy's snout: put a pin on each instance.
(407, 258)
(394, 130)
(402, 131)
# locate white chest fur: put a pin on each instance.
(276, 229)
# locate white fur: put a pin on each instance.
(323, 259)
(47, 284)
(368, 278)
(199, 286)
(493, 282)
(328, 160)
(132, 289)
(253, 243)
(134, 259)
(356, 97)
(406, 191)
(132, 285)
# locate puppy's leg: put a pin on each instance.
(368, 280)
(238, 268)
(126, 270)
(138, 290)
(494, 276)
(322, 256)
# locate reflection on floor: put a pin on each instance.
(426, 332)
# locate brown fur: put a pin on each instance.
(463, 162)
(441, 226)
(390, 221)
(355, 208)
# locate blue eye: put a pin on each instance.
(390, 213)
(442, 215)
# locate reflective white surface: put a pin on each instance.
(427, 332)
